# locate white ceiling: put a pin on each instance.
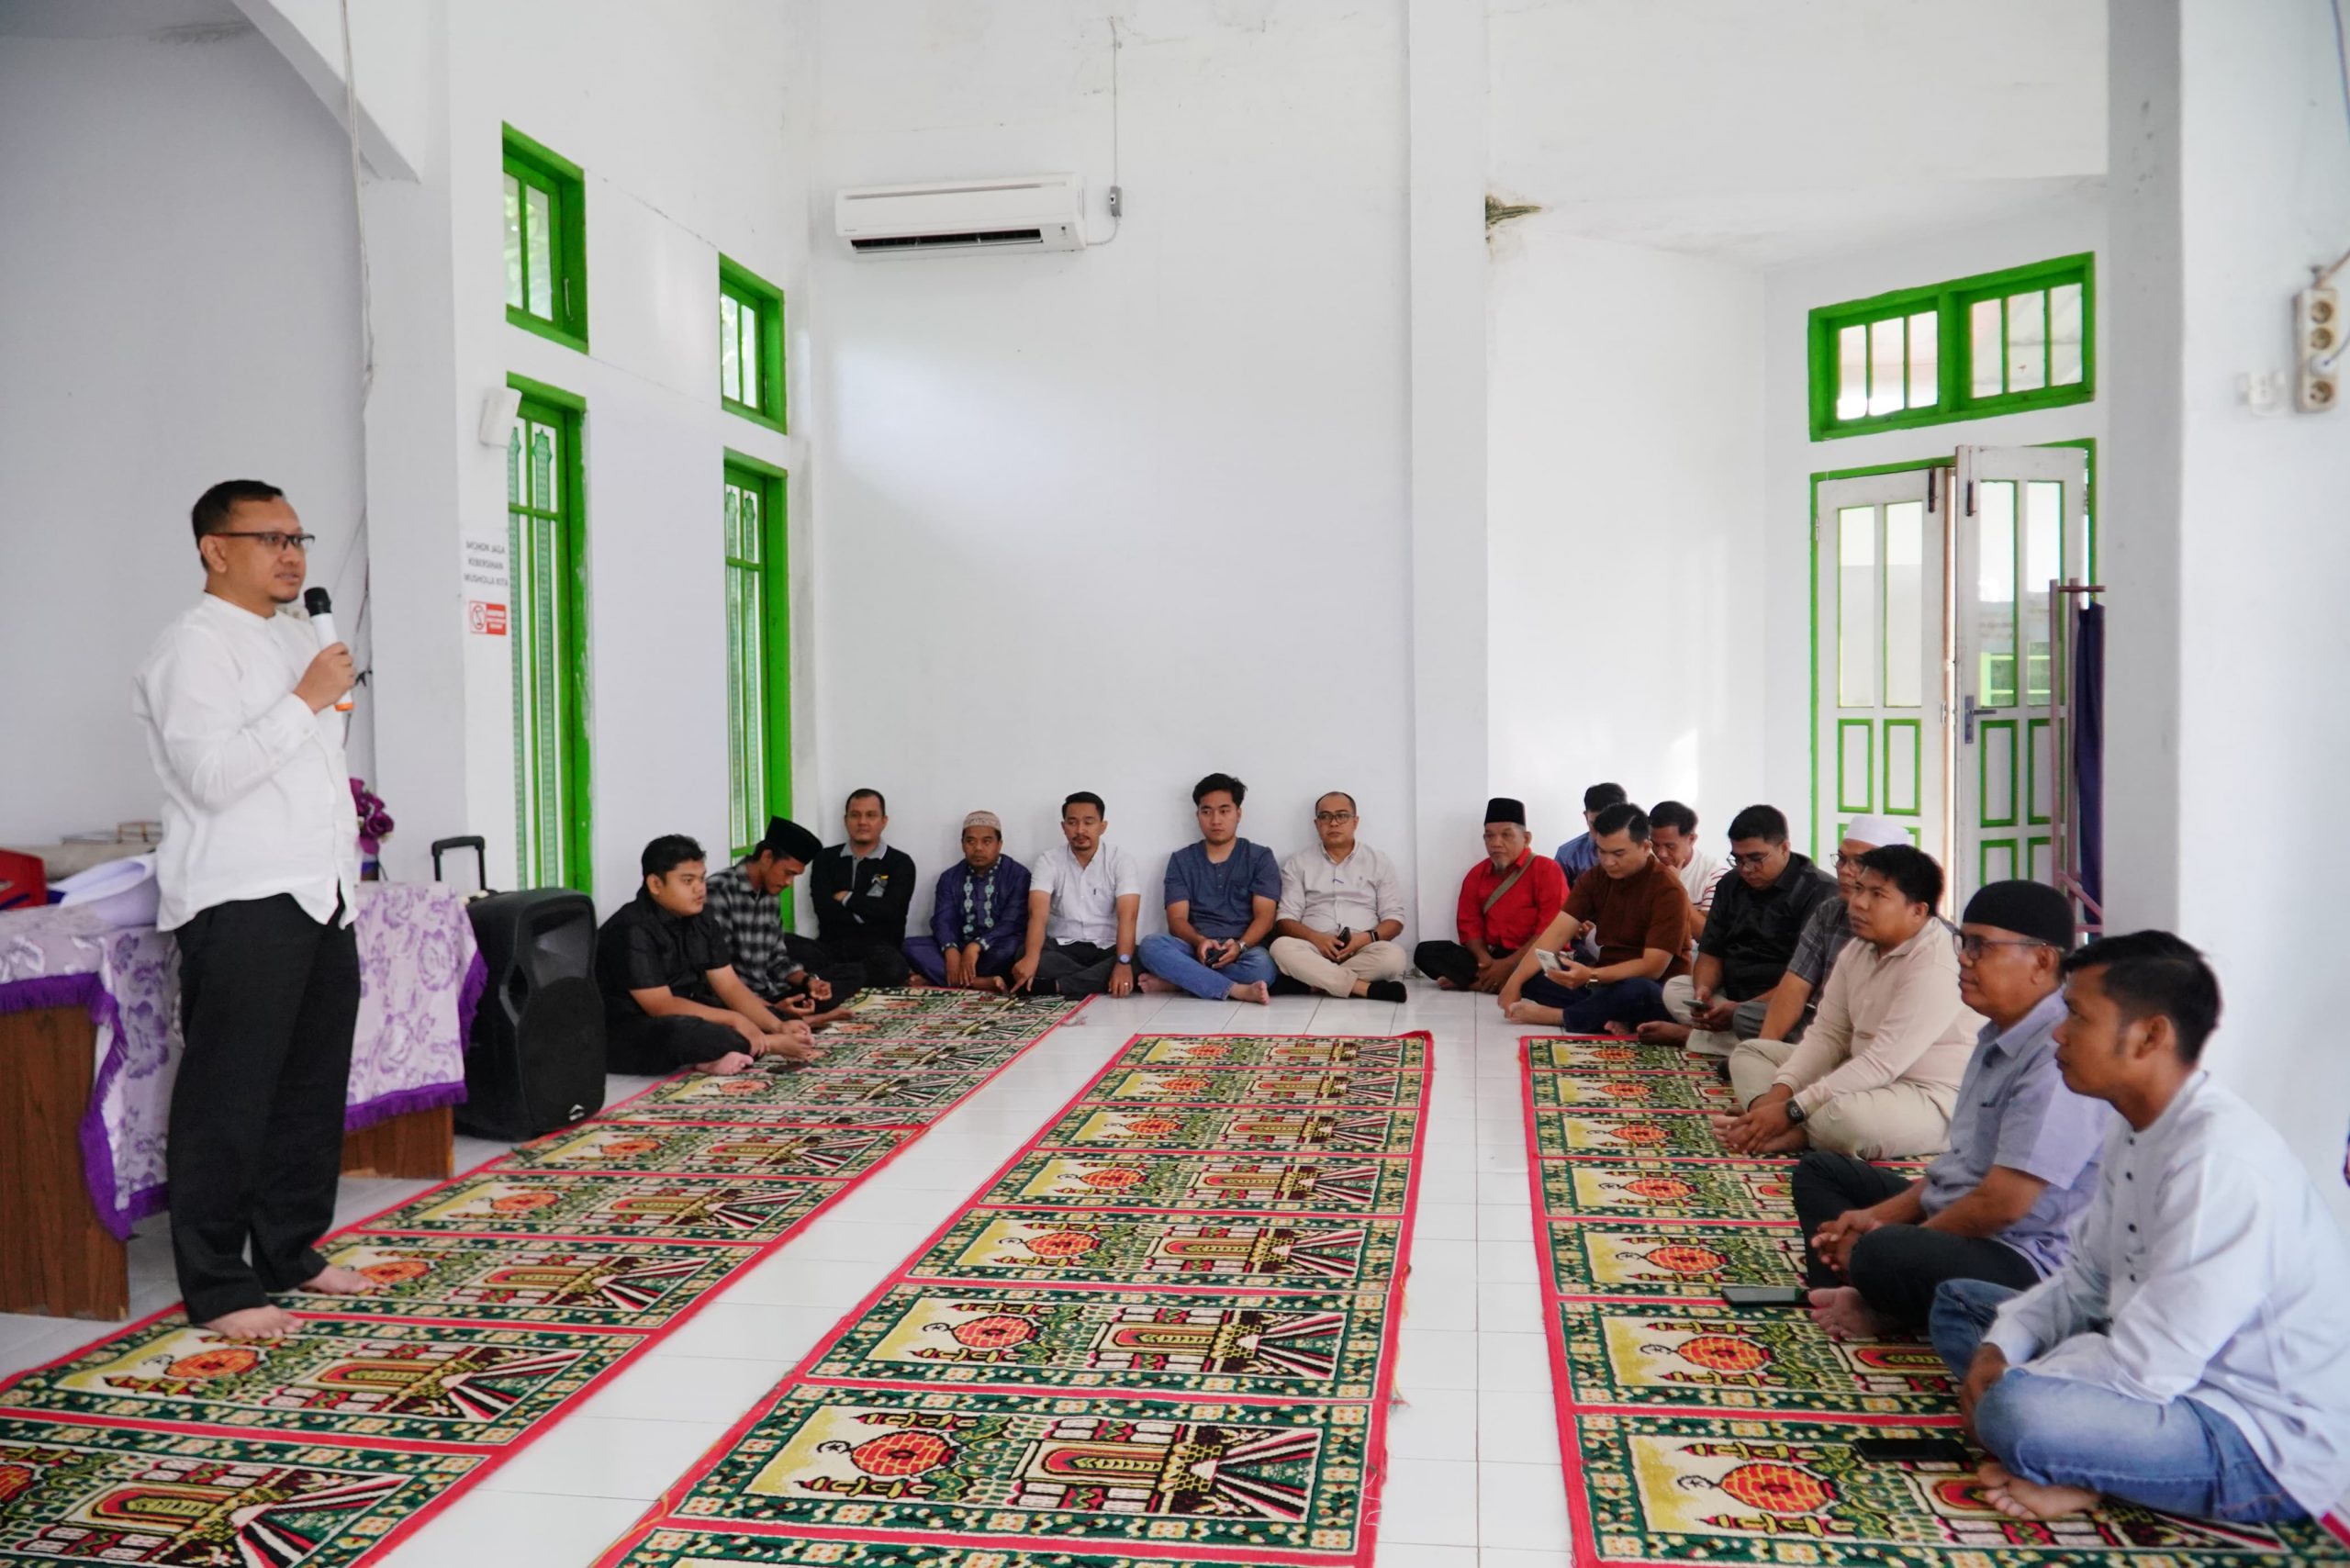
(1766, 131)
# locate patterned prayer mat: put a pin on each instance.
(1180, 1355)
(1695, 1432)
(508, 1294)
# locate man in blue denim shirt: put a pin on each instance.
(1222, 895)
(2023, 1148)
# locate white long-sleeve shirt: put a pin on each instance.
(2207, 1266)
(256, 793)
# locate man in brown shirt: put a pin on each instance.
(1635, 908)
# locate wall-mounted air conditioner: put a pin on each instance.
(1041, 212)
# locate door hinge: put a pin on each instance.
(1932, 475)
(1970, 497)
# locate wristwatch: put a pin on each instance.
(1126, 958)
(1795, 1113)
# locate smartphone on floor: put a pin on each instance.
(1765, 1295)
(1923, 1451)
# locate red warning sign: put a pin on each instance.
(487, 620)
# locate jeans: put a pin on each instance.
(1170, 957)
(2175, 1455)
(1896, 1268)
(1630, 1002)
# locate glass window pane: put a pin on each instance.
(750, 354)
(730, 365)
(1995, 593)
(2044, 563)
(1885, 367)
(513, 241)
(1851, 372)
(1856, 620)
(545, 495)
(539, 243)
(1987, 349)
(2065, 335)
(1905, 604)
(1925, 364)
(2027, 341)
(750, 551)
(733, 531)
(514, 466)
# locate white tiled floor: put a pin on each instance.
(1474, 1479)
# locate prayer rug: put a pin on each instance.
(509, 1295)
(1175, 1351)
(1695, 1432)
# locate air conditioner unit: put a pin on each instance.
(1042, 212)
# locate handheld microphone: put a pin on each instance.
(320, 605)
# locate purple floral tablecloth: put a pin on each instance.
(420, 979)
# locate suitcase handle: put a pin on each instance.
(472, 841)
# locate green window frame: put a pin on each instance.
(545, 220)
(1999, 342)
(750, 344)
(758, 650)
(547, 626)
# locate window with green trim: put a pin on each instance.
(548, 630)
(750, 344)
(546, 242)
(758, 680)
(1995, 343)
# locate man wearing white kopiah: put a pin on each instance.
(256, 872)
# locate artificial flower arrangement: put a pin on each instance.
(374, 825)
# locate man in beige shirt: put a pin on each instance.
(1876, 1074)
(1342, 909)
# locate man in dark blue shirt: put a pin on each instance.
(1222, 895)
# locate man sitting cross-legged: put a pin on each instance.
(1743, 951)
(671, 996)
(1084, 901)
(1506, 901)
(2192, 1354)
(745, 901)
(1789, 1007)
(979, 917)
(1634, 907)
(2024, 1148)
(864, 890)
(1342, 909)
(1877, 1072)
(1672, 839)
(1222, 893)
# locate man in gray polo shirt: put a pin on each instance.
(2022, 1155)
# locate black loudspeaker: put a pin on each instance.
(537, 1056)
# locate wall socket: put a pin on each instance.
(2316, 333)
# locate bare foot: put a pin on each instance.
(1443, 984)
(726, 1066)
(2021, 1499)
(1664, 1033)
(1843, 1315)
(1532, 1012)
(1151, 985)
(989, 982)
(255, 1322)
(1789, 1142)
(1256, 990)
(917, 982)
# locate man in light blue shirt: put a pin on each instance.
(2193, 1353)
(2022, 1152)
(1580, 854)
(1221, 896)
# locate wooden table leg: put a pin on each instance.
(419, 1144)
(55, 1258)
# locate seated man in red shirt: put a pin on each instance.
(1506, 901)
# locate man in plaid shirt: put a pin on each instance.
(746, 901)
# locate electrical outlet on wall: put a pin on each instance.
(2261, 391)
(2316, 333)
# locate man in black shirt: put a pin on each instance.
(864, 891)
(1748, 939)
(671, 996)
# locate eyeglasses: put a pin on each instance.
(1848, 862)
(1334, 816)
(1972, 946)
(1755, 858)
(274, 541)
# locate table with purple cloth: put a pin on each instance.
(420, 979)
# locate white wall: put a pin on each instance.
(2229, 124)
(1626, 527)
(1112, 519)
(181, 309)
(1791, 456)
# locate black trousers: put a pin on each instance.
(848, 967)
(1072, 968)
(1896, 1268)
(661, 1046)
(1447, 961)
(268, 1000)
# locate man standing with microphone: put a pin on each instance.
(257, 870)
